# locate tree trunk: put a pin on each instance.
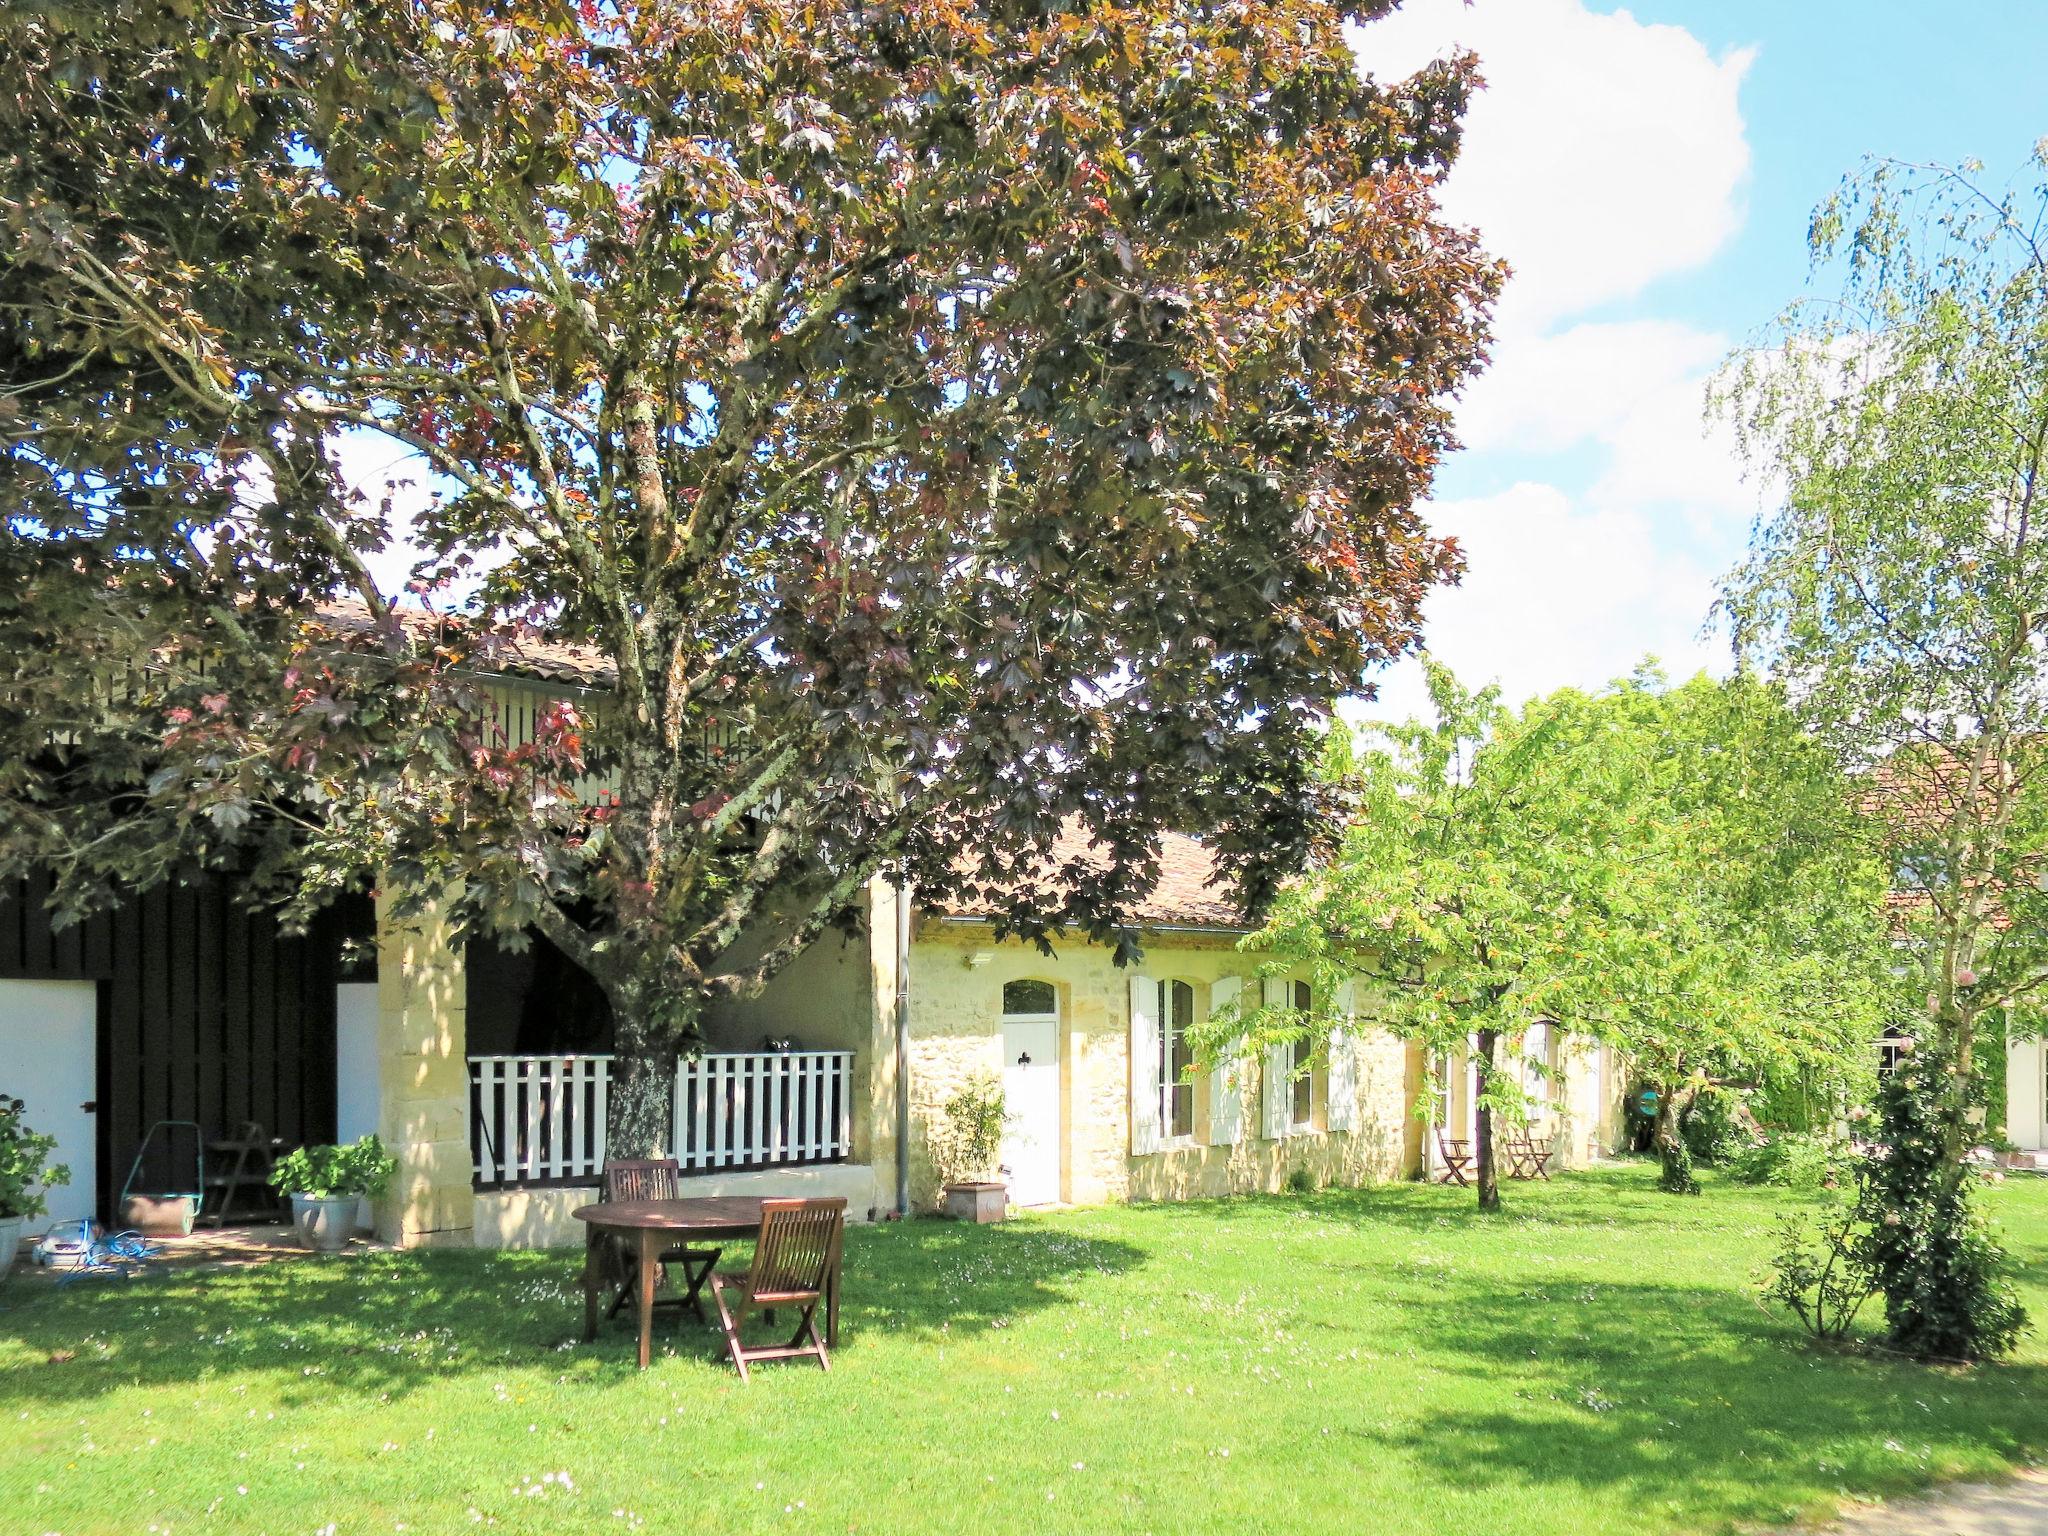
(639, 1119)
(1488, 1172)
(1673, 1155)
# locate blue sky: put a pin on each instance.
(1649, 171)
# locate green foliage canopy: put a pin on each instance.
(1673, 870)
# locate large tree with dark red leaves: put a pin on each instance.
(945, 421)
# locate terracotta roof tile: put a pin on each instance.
(518, 653)
(1189, 892)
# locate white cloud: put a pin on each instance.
(1558, 593)
(1604, 155)
(377, 467)
(1634, 389)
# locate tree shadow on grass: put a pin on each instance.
(390, 1323)
(1672, 1388)
(922, 1275)
(1623, 1372)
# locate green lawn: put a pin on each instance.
(1381, 1360)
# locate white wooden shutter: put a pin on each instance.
(1226, 1087)
(1343, 1106)
(1144, 1065)
(1276, 1092)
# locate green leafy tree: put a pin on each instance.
(940, 424)
(1899, 586)
(1745, 938)
(1672, 870)
(1472, 876)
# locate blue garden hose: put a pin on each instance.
(112, 1255)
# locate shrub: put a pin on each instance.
(332, 1173)
(969, 1138)
(1946, 1285)
(1718, 1128)
(1300, 1181)
(26, 1174)
(1821, 1272)
(1794, 1160)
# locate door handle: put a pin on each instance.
(91, 1106)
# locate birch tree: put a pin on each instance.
(1898, 585)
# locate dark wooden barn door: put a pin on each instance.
(207, 1012)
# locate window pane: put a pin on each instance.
(1304, 1088)
(1029, 997)
(1180, 1058)
(1165, 1063)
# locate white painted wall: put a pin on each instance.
(48, 1059)
(355, 1067)
(2025, 1113)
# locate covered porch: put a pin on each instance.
(741, 1123)
(494, 1073)
(486, 1071)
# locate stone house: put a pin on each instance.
(485, 1070)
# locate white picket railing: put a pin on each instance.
(541, 1119)
(748, 1109)
(537, 1118)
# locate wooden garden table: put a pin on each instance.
(648, 1227)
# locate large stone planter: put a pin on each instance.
(10, 1240)
(324, 1222)
(978, 1203)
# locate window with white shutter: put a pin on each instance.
(1146, 1075)
(1343, 1111)
(1226, 1081)
(1539, 1068)
(1301, 1081)
(1176, 1057)
(1276, 1093)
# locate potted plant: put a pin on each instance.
(25, 1176)
(965, 1147)
(325, 1185)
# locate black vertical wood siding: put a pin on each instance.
(206, 1012)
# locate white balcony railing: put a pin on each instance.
(533, 1119)
(541, 1119)
(756, 1109)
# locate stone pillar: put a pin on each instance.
(874, 1121)
(423, 1082)
(2024, 1106)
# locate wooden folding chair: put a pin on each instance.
(1527, 1157)
(1455, 1155)
(1517, 1150)
(656, 1178)
(796, 1264)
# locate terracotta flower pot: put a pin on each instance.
(977, 1202)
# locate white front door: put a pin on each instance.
(356, 1099)
(49, 1054)
(1031, 1102)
